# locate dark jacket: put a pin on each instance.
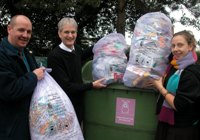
(16, 88)
(66, 70)
(187, 97)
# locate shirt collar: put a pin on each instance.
(65, 48)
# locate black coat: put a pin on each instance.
(66, 70)
(16, 88)
(187, 97)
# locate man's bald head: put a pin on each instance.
(19, 31)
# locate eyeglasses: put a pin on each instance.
(68, 32)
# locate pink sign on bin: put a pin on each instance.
(125, 111)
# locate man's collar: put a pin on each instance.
(10, 48)
(64, 47)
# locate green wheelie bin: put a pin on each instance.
(118, 112)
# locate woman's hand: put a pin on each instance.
(158, 83)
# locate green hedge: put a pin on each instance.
(41, 61)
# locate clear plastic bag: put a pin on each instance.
(52, 116)
(150, 48)
(110, 58)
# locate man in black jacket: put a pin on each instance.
(19, 75)
(65, 61)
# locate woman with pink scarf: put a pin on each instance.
(178, 106)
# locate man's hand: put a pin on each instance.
(98, 83)
(39, 72)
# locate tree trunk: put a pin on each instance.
(121, 14)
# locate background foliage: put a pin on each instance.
(96, 18)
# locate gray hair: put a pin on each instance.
(66, 21)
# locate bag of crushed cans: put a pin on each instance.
(150, 48)
(110, 58)
(52, 116)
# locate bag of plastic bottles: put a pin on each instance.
(150, 48)
(110, 58)
(52, 116)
